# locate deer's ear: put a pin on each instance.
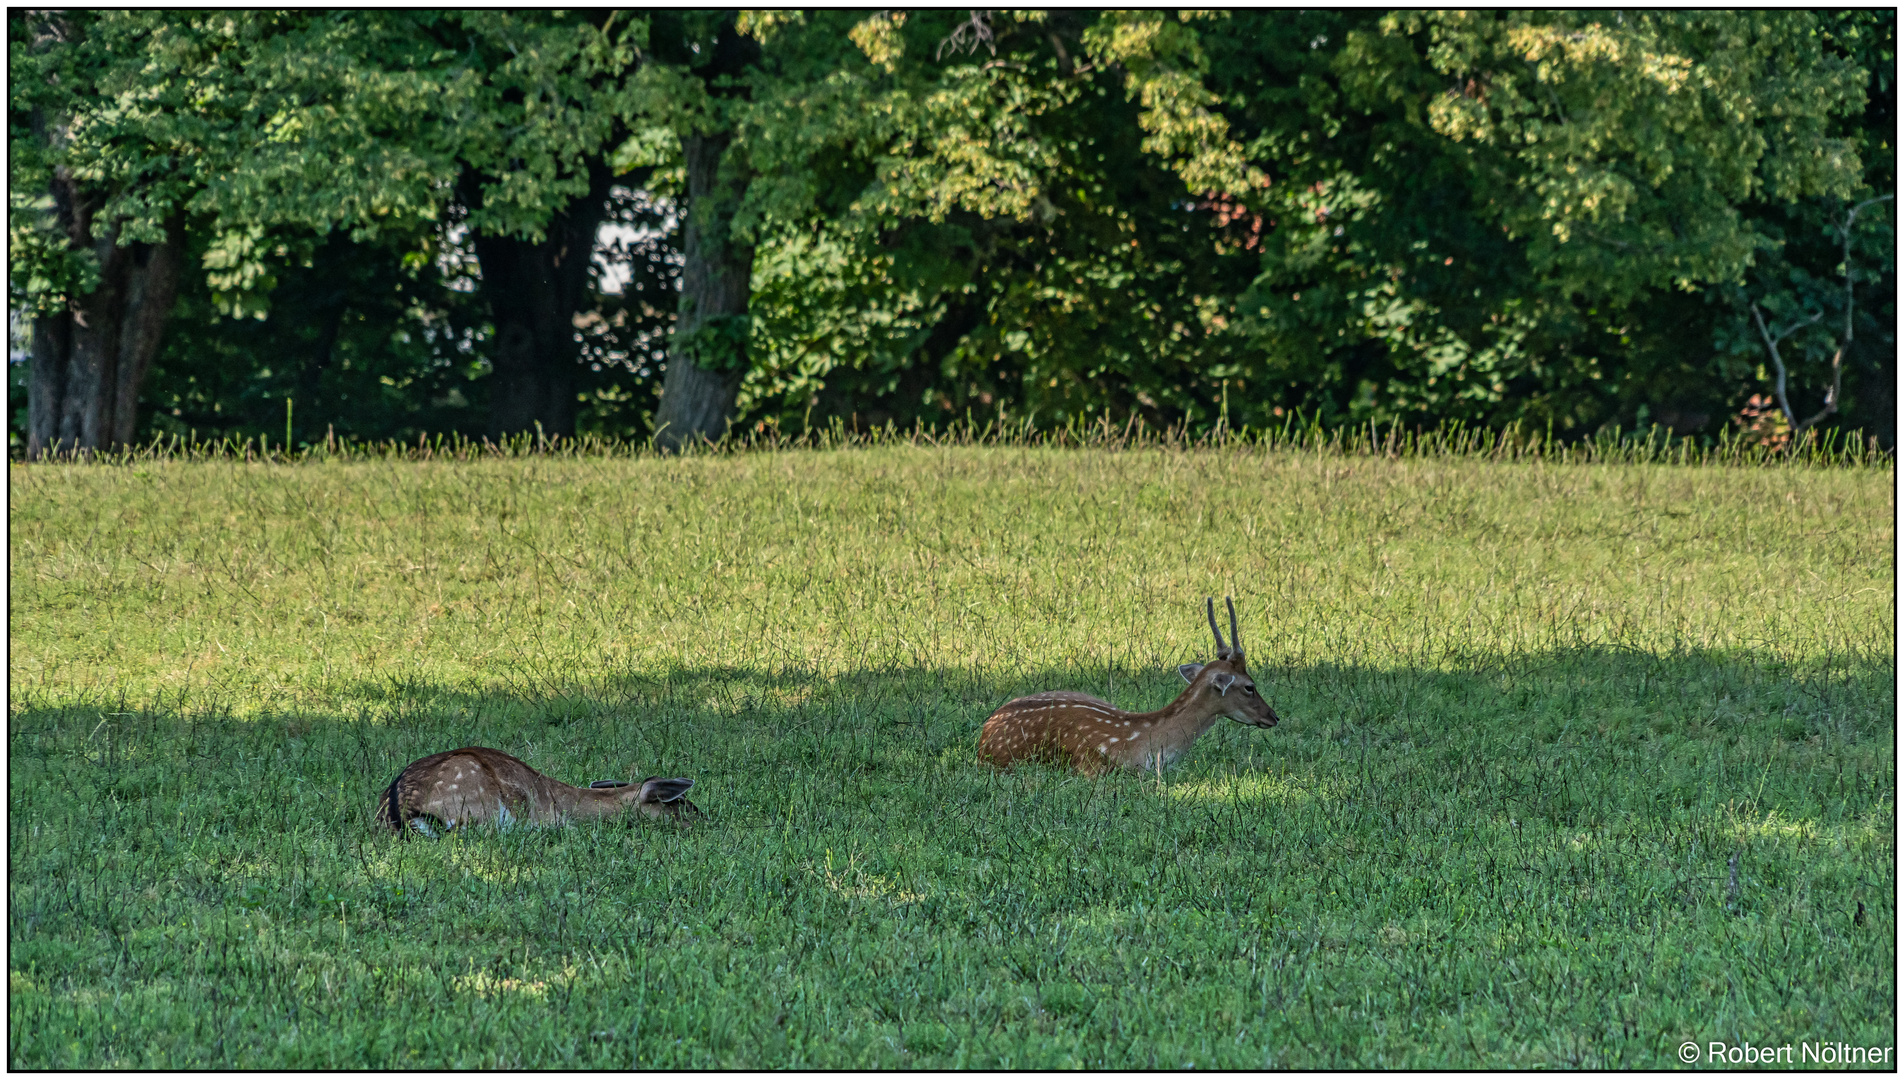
(655, 789)
(1223, 680)
(1189, 671)
(608, 784)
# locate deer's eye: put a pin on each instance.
(1250, 690)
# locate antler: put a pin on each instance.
(1236, 639)
(1209, 608)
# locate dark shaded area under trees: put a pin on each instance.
(923, 217)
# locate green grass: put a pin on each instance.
(1533, 712)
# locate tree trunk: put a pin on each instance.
(534, 290)
(151, 288)
(46, 381)
(707, 355)
(89, 362)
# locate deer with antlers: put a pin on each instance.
(477, 785)
(1094, 735)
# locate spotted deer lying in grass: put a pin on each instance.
(477, 785)
(1094, 735)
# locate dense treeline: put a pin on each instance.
(659, 224)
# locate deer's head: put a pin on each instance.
(656, 796)
(1225, 682)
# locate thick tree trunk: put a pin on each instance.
(90, 361)
(707, 355)
(46, 381)
(150, 291)
(534, 291)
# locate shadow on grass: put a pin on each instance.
(190, 888)
(1617, 713)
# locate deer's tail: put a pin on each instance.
(389, 810)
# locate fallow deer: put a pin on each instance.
(1094, 735)
(477, 785)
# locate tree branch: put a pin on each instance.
(1837, 358)
(1831, 395)
(1778, 362)
(969, 35)
(1850, 219)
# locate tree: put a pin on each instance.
(1846, 229)
(1816, 255)
(546, 110)
(369, 340)
(527, 109)
(510, 118)
(145, 127)
(1546, 217)
(390, 338)
(270, 131)
(100, 281)
(1473, 212)
(892, 173)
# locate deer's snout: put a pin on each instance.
(1267, 719)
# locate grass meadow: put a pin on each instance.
(1578, 761)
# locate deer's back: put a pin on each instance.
(465, 786)
(1056, 726)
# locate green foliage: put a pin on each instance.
(1800, 268)
(272, 132)
(1527, 256)
(316, 121)
(365, 346)
(718, 344)
(1532, 714)
(1013, 217)
(1165, 65)
(542, 111)
(1552, 218)
(226, 118)
(1638, 135)
(1500, 216)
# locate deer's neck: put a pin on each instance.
(1180, 722)
(583, 804)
